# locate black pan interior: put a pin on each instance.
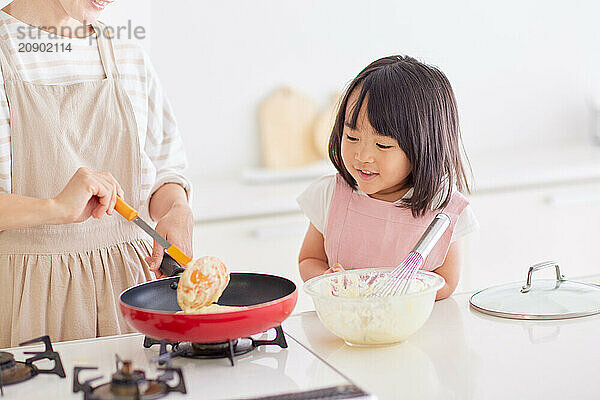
(244, 289)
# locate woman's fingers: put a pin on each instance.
(88, 193)
(156, 270)
(115, 191)
(106, 192)
(155, 260)
(120, 192)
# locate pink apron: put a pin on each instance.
(363, 232)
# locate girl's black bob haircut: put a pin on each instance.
(413, 103)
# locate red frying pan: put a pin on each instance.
(151, 308)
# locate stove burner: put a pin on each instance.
(12, 371)
(127, 383)
(7, 360)
(229, 349)
(214, 350)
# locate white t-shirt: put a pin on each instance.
(316, 200)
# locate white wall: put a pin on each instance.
(523, 72)
(136, 12)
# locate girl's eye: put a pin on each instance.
(383, 146)
(351, 138)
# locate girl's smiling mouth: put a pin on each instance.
(366, 175)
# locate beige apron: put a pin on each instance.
(64, 280)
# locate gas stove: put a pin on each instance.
(13, 372)
(261, 371)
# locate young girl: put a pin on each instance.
(396, 147)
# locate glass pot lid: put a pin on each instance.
(539, 299)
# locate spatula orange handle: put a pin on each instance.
(178, 255)
(125, 209)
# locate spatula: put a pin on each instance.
(172, 251)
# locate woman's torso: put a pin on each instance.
(64, 280)
(79, 62)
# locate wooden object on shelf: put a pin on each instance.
(285, 120)
(323, 125)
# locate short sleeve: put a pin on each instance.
(315, 201)
(466, 224)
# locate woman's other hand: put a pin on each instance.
(87, 194)
(176, 225)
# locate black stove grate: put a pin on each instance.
(12, 371)
(127, 383)
(229, 349)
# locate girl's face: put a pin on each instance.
(377, 164)
(84, 10)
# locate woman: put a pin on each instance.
(79, 126)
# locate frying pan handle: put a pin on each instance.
(169, 266)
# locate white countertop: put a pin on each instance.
(227, 197)
(462, 354)
(265, 371)
(458, 354)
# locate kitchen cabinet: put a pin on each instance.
(518, 228)
(267, 245)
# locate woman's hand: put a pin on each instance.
(177, 227)
(88, 193)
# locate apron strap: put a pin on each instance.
(9, 68)
(107, 55)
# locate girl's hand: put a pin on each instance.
(88, 193)
(177, 227)
(334, 268)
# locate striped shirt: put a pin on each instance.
(162, 153)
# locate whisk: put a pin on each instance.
(398, 281)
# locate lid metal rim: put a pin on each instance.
(519, 283)
(532, 316)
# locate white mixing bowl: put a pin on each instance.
(366, 321)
